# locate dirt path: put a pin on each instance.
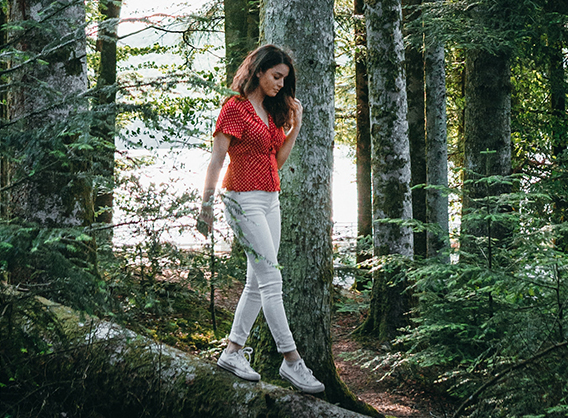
(402, 400)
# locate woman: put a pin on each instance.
(250, 128)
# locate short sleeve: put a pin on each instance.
(230, 120)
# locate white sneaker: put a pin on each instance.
(300, 376)
(238, 364)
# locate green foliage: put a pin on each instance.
(487, 313)
(51, 263)
(22, 346)
(345, 105)
(493, 25)
(152, 285)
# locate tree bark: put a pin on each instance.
(392, 197)
(137, 376)
(241, 33)
(104, 123)
(105, 116)
(306, 254)
(363, 153)
(437, 150)
(416, 129)
(47, 100)
(487, 145)
(558, 89)
(4, 116)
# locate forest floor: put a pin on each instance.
(397, 396)
(364, 369)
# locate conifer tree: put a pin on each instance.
(392, 199)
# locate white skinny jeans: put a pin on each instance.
(255, 219)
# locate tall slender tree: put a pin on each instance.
(391, 162)
(414, 59)
(436, 148)
(104, 126)
(363, 153)
(556, 36)
(306, 254)
(4, 163)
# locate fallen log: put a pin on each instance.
(130, 375)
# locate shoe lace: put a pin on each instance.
(301, 368)
(246, 353)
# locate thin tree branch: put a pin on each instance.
(27, 31)
(43, 54)
(28, 178)
(499, 376)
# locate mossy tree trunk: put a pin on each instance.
(92, 360)
(392, 197)
(487, 148)
(436, 149)
(306, 29)
(48, 108)
(363, 153)
(241, 32)
(416, 127)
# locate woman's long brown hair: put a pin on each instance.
(260, 60)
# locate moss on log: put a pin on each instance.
(124, 374)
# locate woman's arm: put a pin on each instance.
(286, 148)
(220, 146)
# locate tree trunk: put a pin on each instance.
(104, 125)
(139, 377)
(437, 150)
(306, 254)
(47, 107)
(364, 189)
(416, 129)
(558, 89)
(4, 181)
(391, 162)
(241, 33)
(487, 145)
(4, 116)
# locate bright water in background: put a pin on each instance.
(182, 170)
(185, 169)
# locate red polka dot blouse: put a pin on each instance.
(253, 147)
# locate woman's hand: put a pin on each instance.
(206, 216)
(205, 219)
(296, 123)
(220, 146)
(297, 114)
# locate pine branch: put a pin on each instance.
(27, 178)
(511, 369)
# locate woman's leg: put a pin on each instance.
(256, 220)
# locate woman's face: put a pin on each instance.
(272, 80)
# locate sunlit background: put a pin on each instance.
(184, 169)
